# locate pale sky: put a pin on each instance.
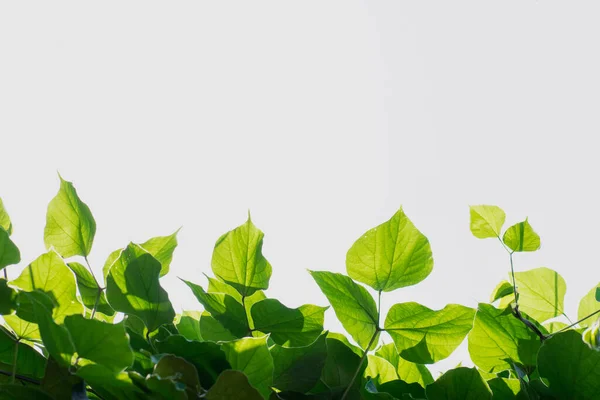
(322, 118)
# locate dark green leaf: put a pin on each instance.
(233, 385)
(20, 392)
(212, 330)
(298, 369)
(340, 366)
(425, 336)
(132, 287)
(207, 357)
(166, 388)
(353, 305)
(58, 381)
(392, 255)
(100, 342)
(89, 289)
(570, 366)
(223, 308)
(9, 253)
(238, 260)
(109, 384)
(217, 286)
(292, 327)
(8, 298)
(459, 384)
(252, 357)
(29, 362)
(504, 388)
(179, 370)
(70, 226)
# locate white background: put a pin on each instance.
(322, 118)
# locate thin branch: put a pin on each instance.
(21, 377)
(362, 360)
(5, 273)
(573, 324)
(15, 357)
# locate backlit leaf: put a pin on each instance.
(459, 384)
(9, 252)
(379, 370)
(392, 255)
(353, 305)
(162, 248)
(29, 362)
(70, 226)
(8, 298)
(407, 371)
(503, 289)
(521, 237)
(5, 219)
(587, 306)
(188, 324)
(252, 357)
(238, 260)
(89, 289)
(426, 336)
(541, 293)
(486, 221)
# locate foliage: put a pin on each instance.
(68, 334)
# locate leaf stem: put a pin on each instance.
(98, 294)
(572, 325)
(362, 360)
(14, 366)
(378, 308)
(5, 273)
(90, 269)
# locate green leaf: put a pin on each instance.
(58, 381)
(407, 371)
(298, 369)
(459, 384)
(87, 336)
(179, 370)
(486, 221)
(22, 328)
(237, 259)
(252, 357)
(166, 388)
(29, 362)
(340, 366)
(217, 286)
(20, 392)
(5, 219)
(56, 338)
(132, 287)
(70, 226)
(213, 331)
(353, 305)
(503, 289)
(207, 357)
(89, 289)
(49, 274)
(570, 366)
(498, 339)
(425, 336)
(293, 327)
(555, 326)
(396, 389)
(379, 370)
(162, 248)
(188, 324)
(8, 298)
(504, 389)
(521, 237)
(541, 293)
(9, 253)
(108, 384)
(233, 385)
(112, 257)
(392, 255)
(587, 306)
(223, 308)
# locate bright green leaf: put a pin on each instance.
(110, 385)
(498, 339)
(293, 327)
(541, 293)
(223, 308)
(353, 305)
(407, 371)
(426, 336)
(22, 328)
(486, 221)
(114, 352)
(70, 226)
(9, 252)
(112, 257)
(188, 324)
(298, 369)
(570, 366)
(252, 357)
(587, 306)
(132, 287)
(521, 237)
(5, 219)
(233, 385)
(553, 327)
(49, 274)
(8, 298)
(89, 289)
(503, 289)
(392, 255)
(379, 370)
(459, 384)
(207, 357)
(212, 330)
(162, 248)
(504, 388)
(238, 260)
(29, 362)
